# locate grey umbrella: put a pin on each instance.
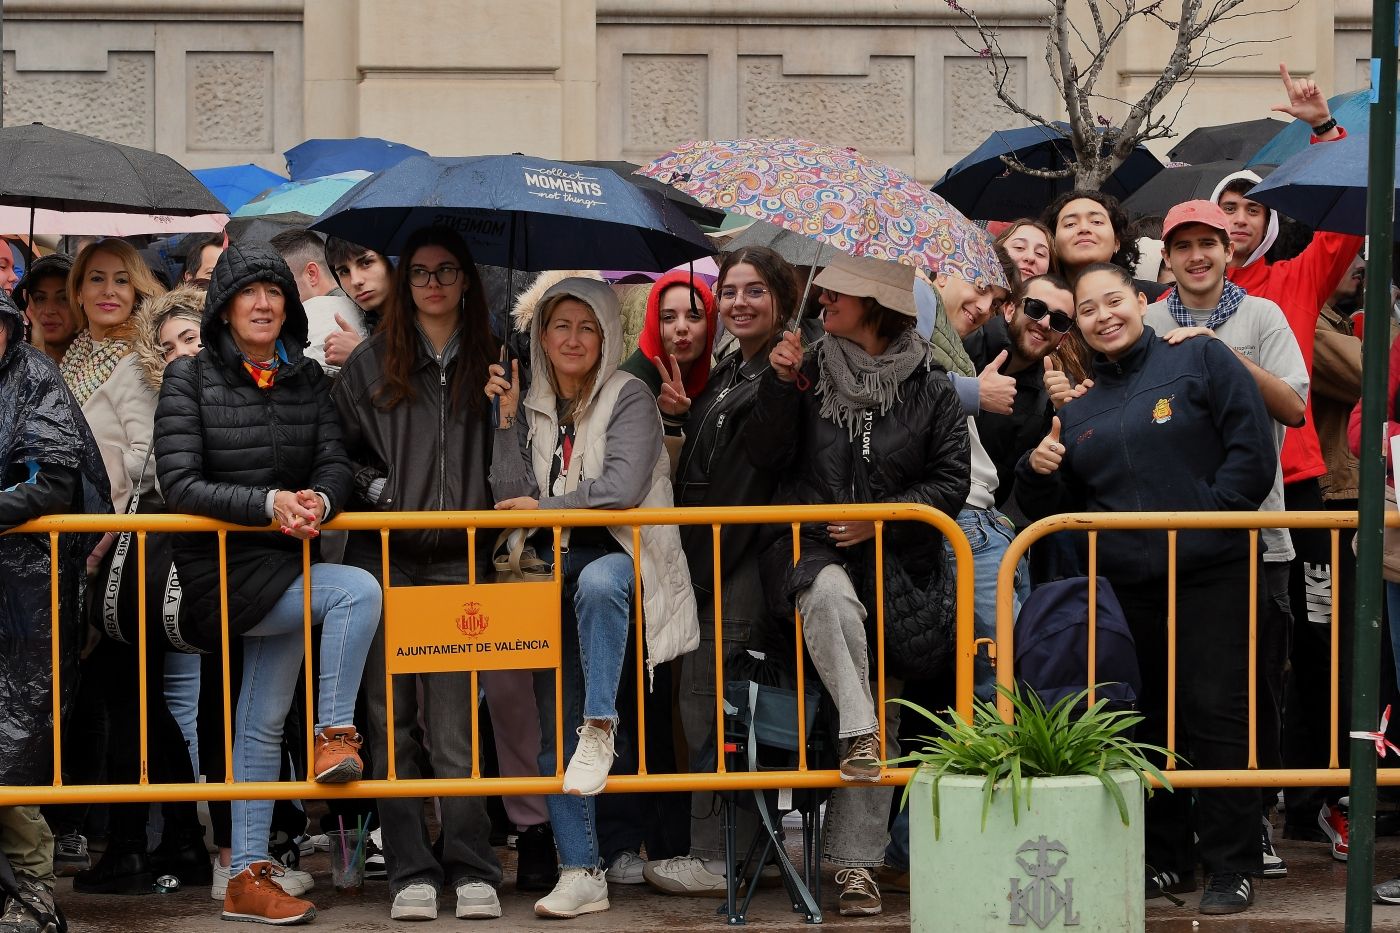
(62, 171)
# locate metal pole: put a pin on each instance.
(1366, 651)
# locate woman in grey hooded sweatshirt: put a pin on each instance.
(589, 436)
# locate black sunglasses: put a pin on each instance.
(1036, 310)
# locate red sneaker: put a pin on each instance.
(1333, 821)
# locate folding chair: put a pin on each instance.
(761, 735)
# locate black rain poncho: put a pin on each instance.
(49, 463)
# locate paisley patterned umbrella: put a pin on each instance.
(836, 196)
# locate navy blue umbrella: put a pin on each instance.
(317, 157)
(519, 212)
(1324, 186)
(984, 187)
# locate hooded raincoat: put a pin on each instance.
(48, 464)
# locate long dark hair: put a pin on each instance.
(476, 348)
(777, 274)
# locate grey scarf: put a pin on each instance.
(851, 382)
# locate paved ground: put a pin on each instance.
(1310, 900)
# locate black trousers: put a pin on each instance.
(1212, 715)
(1313, 586)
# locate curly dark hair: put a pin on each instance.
(1127, 255)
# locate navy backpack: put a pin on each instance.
(1052, 644)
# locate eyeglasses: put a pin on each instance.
(1036, 310)
(752, 293)
(445, 275)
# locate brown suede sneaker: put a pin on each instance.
(254, 897)
(337, 758)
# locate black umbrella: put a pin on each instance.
(1178, 183)
(702, 215)
(1227, 141)
(62, 171)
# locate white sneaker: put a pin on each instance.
(627, 868)
(684, 875)
(588, 768)
(476, 900)
(417, 901)
(579, 891)
(294, 882)
(321, 842)
(219, 886)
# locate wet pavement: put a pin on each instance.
(1310, 900)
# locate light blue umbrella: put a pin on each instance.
(236, 185)
(302, 201)
(1324, 186)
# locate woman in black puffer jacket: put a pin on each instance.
(871, 419)
(246, 432)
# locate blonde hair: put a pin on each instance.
(580, 401)
(146, 285)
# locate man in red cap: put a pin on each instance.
(1197, 248)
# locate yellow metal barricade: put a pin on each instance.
(1172, 523)
(472, 523)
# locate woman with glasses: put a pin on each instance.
(864, 415)
(418, 432)
(758, 293)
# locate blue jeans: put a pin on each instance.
(593, 639)
(345, 601)
(990, 534)
(182, 696)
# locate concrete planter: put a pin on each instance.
(1068, 863)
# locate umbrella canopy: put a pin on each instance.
(263, 229)
(317, 157)
(1227, 141)
(520, 212)
(794, 247)
(62, 171)
(1352, 110)
(236, 185)
(837, 196)
(702, 215)
(1178, 183)
(302, 201)
(92, 223)
(704, 269)
(1323, 186)
(984, 187)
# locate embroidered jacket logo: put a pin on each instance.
(1162, 411)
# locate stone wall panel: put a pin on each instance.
(229, 101)
(664, 101)
(117, 104)
(971, 109)
(874, 111)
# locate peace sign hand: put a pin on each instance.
(673, 400)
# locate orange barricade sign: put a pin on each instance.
(471, 627)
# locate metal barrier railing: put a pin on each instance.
(472, 522)
(1092, 523)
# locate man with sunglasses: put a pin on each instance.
(1204, 303)
(1018, 340)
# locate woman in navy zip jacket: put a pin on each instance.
(1171, 428)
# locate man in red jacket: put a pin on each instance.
(1300, 286)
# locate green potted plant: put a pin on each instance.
(1036, 822)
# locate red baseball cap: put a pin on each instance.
(1194, 212)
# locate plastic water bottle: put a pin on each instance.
(166, 884)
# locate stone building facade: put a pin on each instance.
(214, 82)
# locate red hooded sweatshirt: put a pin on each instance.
(649, 341)
(1301, 286)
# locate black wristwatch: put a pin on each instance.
(1326, 127)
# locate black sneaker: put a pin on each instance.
(375, 867)
(1274, 865)
(1227, 893)
(117, 872)
(1388, 892)
(537, 861)
(1167, 883)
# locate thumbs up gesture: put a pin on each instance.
(1045, 459)
(1058, 386)
(340, 343)
(996, 393)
